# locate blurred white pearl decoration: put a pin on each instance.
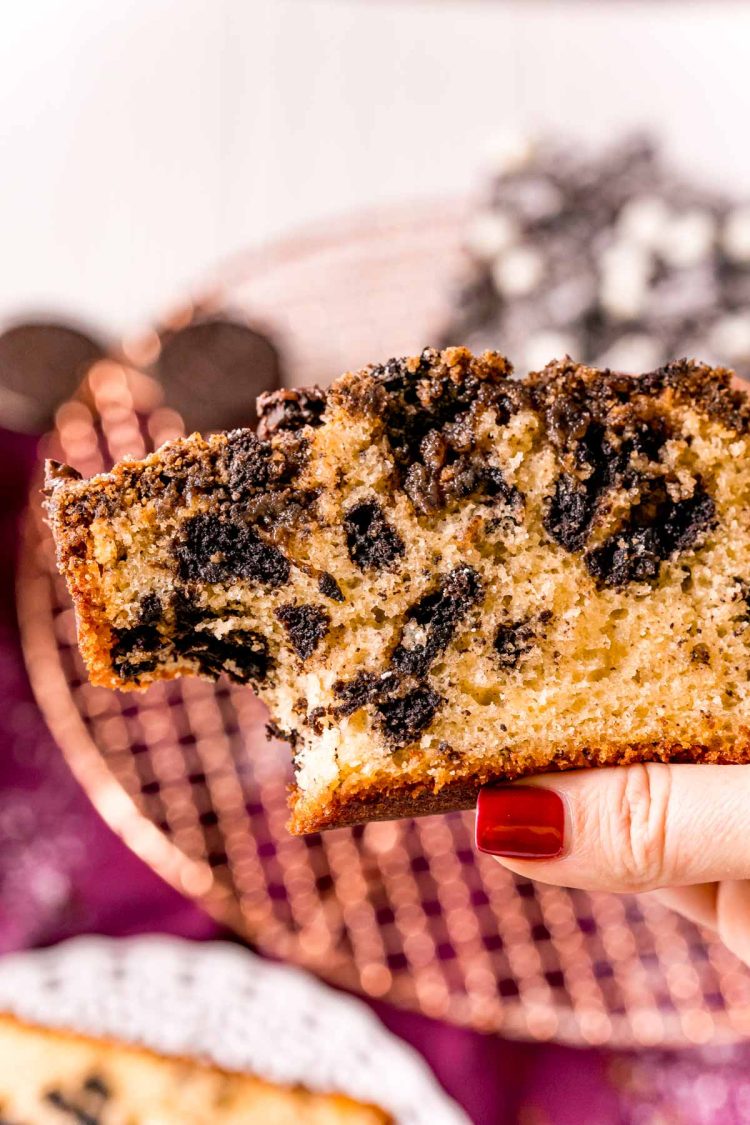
(643, 220)
(688, 238)
(730, 337)
(518, 271)
(543, 347)
(626, 272)
(571, 298)
(490, 233)
(509, 151)
(736, 237)
(634, 352)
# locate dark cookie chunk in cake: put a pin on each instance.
(371, 541)
(273, 730)
(569, 513)
(134, 650)
(95, 1084)
(656, 530)
(353, 694)
(404, 718)
(610, 432)
(436, 396)
(151, 610)
(259, 483)
(329, 587)
(495, 486)
(710, 388)
(515, 639)
(213, 550)
(280, 509)
(242, 654)
(290, 409)
(742, 597)
(597, 419)
(428, 629)
(685, 521)
(306, 626)
(238, 472)
(248, 464)
(442, 476)
(431, 412)
(185, 631)
(86, 1105)
(598, 434)
(433, 620)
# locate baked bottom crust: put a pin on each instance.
(362, 804)
(48, 1076)
(437, 576)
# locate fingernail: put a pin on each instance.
(520, 822)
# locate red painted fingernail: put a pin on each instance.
(520, 822)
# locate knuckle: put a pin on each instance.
(639, 821)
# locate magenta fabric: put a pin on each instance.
(63, 872)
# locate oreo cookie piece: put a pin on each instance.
(42, 364)
(213, 371)
(290, 409)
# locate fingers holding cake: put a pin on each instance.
(629, 829)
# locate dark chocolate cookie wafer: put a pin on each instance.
(41, 365)
(213, 370)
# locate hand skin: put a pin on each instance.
(681, 832)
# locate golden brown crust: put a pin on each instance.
(419, 798)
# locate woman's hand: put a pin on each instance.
(681, 831)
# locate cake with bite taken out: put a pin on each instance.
(438, 576)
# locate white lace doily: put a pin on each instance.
(220, 1002)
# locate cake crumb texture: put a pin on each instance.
(437, 575)
(48, 1077)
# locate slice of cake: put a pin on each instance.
(438, 576)
(50, 1077)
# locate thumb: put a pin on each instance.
(630, 828)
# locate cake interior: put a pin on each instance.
(48, 1077)
(449, 577)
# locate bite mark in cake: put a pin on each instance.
(438, 576)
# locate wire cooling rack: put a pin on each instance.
(406, 910)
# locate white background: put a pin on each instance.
(143, 140)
